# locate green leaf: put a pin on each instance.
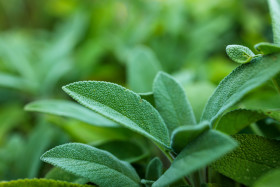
(238, 83)
(39, 182)
(270, 179)
(11, 81)
(62, 175)
(236, 120)
(254, 157)
(185, 134)
(70, 109)
(171, 102)
(274, 6)
(239, 53)
(267, 48)
(205, 149)
(100, 167)
(142, 69)
(122, 106)
(129, 151)
(154, 169)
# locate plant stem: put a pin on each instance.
(256, 129)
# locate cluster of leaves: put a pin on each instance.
(152, 138)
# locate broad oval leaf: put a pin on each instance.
(185, 134)
(267, 48)
(238, 83)
(39, 182)
(122, 106)
(254, 157)
(236, 120)
(207, 148)
(100, 167)
(154, 169)
(270, 179)
(239, 53)
(171, 102)
(70, 109)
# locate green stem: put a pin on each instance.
(256, 129)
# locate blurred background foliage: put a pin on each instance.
(47, 44)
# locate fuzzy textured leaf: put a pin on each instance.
(171, 102)
(267, 48)
(254, 157)
(122, 106)
(238, 83)
(154, 169)
(100, 167)
(207, 148)
(236, 120)
(239, 53)
(185, 134)
(70, 109)
(39, 182)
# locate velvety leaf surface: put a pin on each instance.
(254, 157)
(205, 149)
(171, 102)
(70, 109)
(267, 48)
(121, 105)
(100, 167)
(270, 179)
(274, 6)
(236, 120)
(62, 175)
(39, 182)
(238, 83)
(185, 134)
(154, 169)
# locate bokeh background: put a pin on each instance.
(47, 44)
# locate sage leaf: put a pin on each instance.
(254, 157)
(122, 106)
(171, 102)
(274, 6)
(142, 61)
(207, 148)
(238, 83)
(267, 48)
(62, 175)
(98, 166)
(154, 169)
(270, 179)
(39, 182)
(239, 53)
(236, 120)
(70, 109)
(185, 134)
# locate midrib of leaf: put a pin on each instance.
(84, 162)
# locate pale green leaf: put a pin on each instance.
(154, 169)
(236, 120)
(238, 83)
(98, 166)
(62, 175)
(205, 149)
(254, 157)
(274, 6)
(39, 182)
(70, 109)
(171, 102)
(270, 179)
(267, 48)
(239, 53)
(122, 106)
(142, 69)
(185, 134)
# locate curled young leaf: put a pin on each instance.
(239, 53)
(267, 48)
